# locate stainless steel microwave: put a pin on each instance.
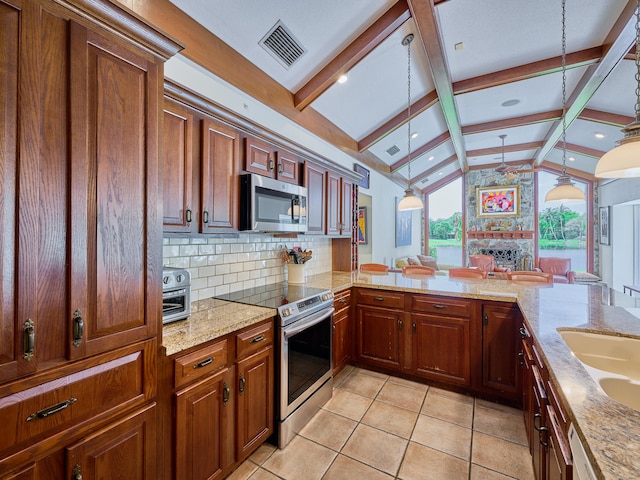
(268, 205)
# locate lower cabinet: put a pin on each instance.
(342, 336)
(222, 396)
(380, 340)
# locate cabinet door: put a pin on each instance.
(316, 198)
(559, 464)
(124, 449)
(334, 209)
(500, 347)
(50, 467)
(177, 158)
(115, 229)
(539, 402)
(527, 389)
(259, 157)
(380, 337)
(441, 347)
(255, 401)
(346, 205)
(219, 177)
(341, 340)
(204, 428)
(288, 167)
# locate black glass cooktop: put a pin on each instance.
(273, 295)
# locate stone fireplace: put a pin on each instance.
(505, 257)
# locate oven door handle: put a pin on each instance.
(311, 320)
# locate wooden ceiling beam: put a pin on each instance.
(372, 37)
(519, 147)
(512, 122)
(441, 183)
(426, 102)
(529, 70)
(424, 16)
(605, 118)
(618, 42)
(439, 140)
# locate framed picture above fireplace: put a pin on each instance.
(500, 201)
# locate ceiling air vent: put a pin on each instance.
(282, 45)
(391, 151)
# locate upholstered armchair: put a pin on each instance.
(559, 267)
(486, 263)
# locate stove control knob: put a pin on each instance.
(166, 280)
(286, 312)
(327, 296)
(179, 278)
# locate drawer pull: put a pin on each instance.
(53, 409)
(205, 362)
(343, 300)
(536, 418)
(379, 299)
(259, 338)
(440, 306)
(189, 215)
(226, 391)
(29, 340)
(205, 217)
(524, 333)
(243, 384)
(544, 431)
(78, 328)
(399, 324)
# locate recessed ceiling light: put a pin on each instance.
(459, 46)
(510, 103)
(414, 134)
(439, 173)
(430, 158)
(600, 135)
(343, 78)
(572, 159)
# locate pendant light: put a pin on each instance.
(624, 160)
(565, 191)
(410, 201)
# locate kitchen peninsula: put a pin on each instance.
(609, 430)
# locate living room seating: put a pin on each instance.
(529, 276)
(467, 273)
(374, 267)
(559, 267)
(418, 270)
(486, 263)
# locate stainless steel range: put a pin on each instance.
(303, 360)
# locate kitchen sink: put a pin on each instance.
(612, 361)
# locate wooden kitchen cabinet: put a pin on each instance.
(265, 159)
(559, 465)
(441, 339)
(339, 205)
(342, 335)
(500, 348)
(314, 181)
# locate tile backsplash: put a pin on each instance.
(223, 265)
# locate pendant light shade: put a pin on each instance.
(624, 160)
(564, 191)
(410, 201)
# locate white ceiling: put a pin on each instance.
(497, 35)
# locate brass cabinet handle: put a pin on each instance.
(189, 215)
(77, 472)
(78, 328)
(259, 338)
(243, 384)
(205, 216)
(52, 410)
(29, 340)
(205, 362)
(226, 391)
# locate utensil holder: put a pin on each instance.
(296, 272)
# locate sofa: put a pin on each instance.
(424, 260)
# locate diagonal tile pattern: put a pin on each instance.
(381, 427)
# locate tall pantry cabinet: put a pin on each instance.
(80, 91)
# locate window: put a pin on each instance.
(445, 224)
(562, 229)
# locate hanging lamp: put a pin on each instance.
(565, 190)
(410, 201)
(624, 160)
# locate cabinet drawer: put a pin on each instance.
(254, 339)
(200, 363)
(381, 298)
(441, 306)
(88, 390)
(342, 300)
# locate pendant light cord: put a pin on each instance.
(638, 61)
(407, 41)
(564, 90)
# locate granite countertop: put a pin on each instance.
(610, 430)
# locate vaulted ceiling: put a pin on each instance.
(479, 69)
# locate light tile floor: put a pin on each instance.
(380, 427)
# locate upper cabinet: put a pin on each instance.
(314, 181)
(201, 166)
(339, 205)
(266, 159)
